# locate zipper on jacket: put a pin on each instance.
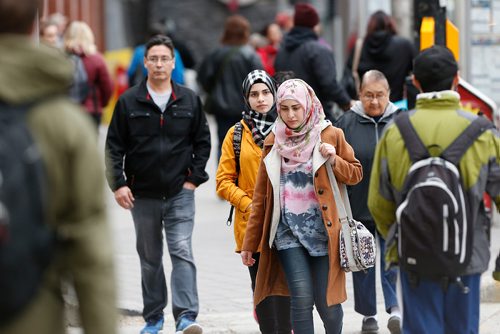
(161, 120)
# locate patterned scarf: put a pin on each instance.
(296, 145)
(260, 124)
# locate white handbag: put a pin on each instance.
(356, 243)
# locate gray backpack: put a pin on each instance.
(79, 89)
(434, 223)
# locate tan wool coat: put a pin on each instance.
(266, 211)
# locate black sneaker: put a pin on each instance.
(496, 273)
(369, 326)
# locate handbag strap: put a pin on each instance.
(342, 201)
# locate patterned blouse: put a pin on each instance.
(301, 224)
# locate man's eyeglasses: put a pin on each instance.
(371, 97)
(163, 60)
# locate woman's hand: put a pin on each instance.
(328, 151)
(247, 259)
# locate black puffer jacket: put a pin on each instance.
(221, 74)
(390, 54)
(161, 151)
(313, 62)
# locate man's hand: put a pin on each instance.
(124, 197)
(189, 185)
(247, 259)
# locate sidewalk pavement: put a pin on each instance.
(224, 283)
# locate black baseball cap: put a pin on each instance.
(434, 66)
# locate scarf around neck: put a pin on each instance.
(260, 124)
(296, 145)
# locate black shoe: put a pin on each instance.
(370, 326)
(394, 324)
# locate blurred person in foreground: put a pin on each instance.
(157, 147)
(439, 305)
(363, 126)
(236, 186)
(40, 75)
(294, 219)
(311, 60)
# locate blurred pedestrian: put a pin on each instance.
(273, 36)
(222, 72)
(157, 146)
(293, 219)
(235, 182)
(61, 22)
(382, 49)
(311, 60)
(363, 126)
(437, 304)
(79, 40)
(37, 77)
(48, 33)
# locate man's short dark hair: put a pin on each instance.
(159, 40)
(18, 16)
(435, 68)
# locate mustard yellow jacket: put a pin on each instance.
(238, 195)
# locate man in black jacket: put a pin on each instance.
(311, 60)
(157, 146)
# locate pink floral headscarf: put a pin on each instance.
(296, 145)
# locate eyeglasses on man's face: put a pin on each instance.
(162, 60)
(372, 97)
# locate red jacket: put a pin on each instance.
(101, 86)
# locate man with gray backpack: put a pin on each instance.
(429, 174)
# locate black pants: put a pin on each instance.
(497, 264)
(273, 313)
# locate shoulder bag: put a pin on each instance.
(357, 245)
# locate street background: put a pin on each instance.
(224, 283)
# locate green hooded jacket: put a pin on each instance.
(438, 120)
(76, 208)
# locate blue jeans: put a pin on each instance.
(428, 309)
(176, 217)
(365, 299)
(307, 278)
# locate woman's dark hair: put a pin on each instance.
(236, 31)
(380, 21)
(159, 40)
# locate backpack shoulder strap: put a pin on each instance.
(461, 144)
(414, 144)
(238, 132)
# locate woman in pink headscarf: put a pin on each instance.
(294, 217)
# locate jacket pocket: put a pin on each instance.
(140, 122)
(181, 123)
